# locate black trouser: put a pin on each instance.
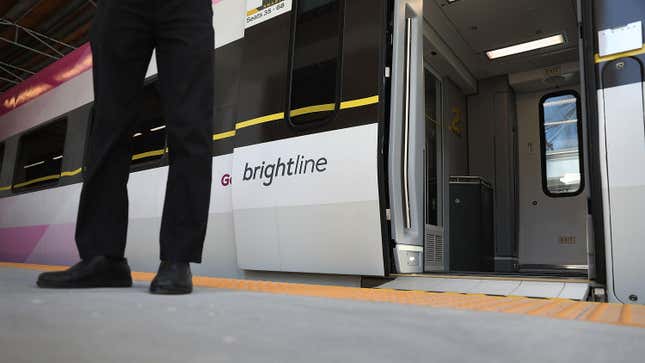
(123, 36)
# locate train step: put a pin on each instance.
(573, 289)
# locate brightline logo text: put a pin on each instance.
(268, 172)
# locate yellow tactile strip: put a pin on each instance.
(617, 314)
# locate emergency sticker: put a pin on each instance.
(258, 11)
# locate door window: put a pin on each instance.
(315, 61)
(561, 144)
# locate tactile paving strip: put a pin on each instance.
(617, 314)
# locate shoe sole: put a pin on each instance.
(84, 285)
(170, 291)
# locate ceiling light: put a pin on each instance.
(57, 157)
(526, 47)
(158, 128)
(137, 134)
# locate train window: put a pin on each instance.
(149, 135)
(561, 144)
(1, 156)
(433, 143)
(315, 61)
(88, 134)
(40, 156)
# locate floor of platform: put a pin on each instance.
(218, 325)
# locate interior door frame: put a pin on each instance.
(589, 87)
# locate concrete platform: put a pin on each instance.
(215, 325)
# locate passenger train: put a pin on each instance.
(362, 139)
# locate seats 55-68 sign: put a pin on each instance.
(258, 11)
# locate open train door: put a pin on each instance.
(407, 137)
(623, 139)
(306, 193)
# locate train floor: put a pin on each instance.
(308, 324)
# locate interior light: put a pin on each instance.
(137, 134)
(57, 157)
(526, 47)
(158, 128)
(34, 164)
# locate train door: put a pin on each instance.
(407, 137)
(552, 197)
(620, 69)
(622, 125)
(306, 159)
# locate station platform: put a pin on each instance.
(258, 321)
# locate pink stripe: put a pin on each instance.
(56, 247)
(17, 243)
(52, 76)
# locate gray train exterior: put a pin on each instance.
(317, 169)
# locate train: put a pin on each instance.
(359, 139)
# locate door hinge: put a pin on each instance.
(387, 72)
(388, 214)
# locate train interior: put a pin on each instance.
(505, 168)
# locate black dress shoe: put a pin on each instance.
(98, 271)
(173, 278)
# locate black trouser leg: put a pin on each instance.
(122, 43)
(185, 51)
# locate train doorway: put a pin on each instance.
(501, 185)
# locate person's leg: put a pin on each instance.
(185, 56)
(185, 50)
(122, 44)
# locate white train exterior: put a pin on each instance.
(343, 127)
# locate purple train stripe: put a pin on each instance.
(47, 244)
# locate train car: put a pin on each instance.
(494, 141)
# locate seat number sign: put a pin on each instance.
(258, 11)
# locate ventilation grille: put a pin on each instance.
(434, 249)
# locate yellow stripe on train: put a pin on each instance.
(307, 110)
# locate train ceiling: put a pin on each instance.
(36, 33)
(472, 27)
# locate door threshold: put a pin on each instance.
(545, 288)
(499, 277)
